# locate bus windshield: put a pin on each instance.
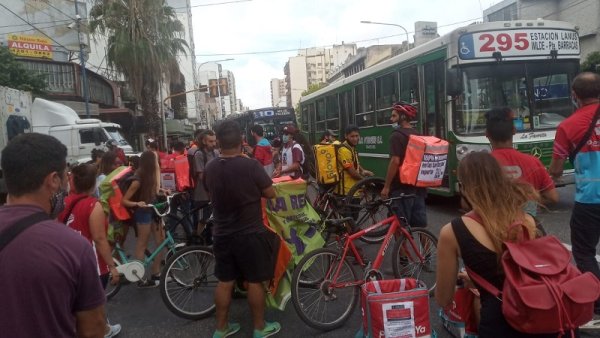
(538, 94)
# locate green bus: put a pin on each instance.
(526, 65)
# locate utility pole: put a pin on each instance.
(86, 95)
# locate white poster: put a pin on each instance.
(399, 320)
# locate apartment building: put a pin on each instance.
(278, 96)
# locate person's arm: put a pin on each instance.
(550, 196)
(345, 160)
(392, 171)
(127, 202)
(269, 192)
(91, 323)
(556, 167)
(97, 223)
(447, 266)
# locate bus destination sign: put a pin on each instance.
(518, 43)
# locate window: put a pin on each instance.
(332, 107)
(387, 94)
(304, 117)
(86, 136)
(365, 106)
(409, 84)
(321, 111)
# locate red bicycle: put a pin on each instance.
(326, 287)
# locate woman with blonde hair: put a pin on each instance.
(142, 191)
(497, 201)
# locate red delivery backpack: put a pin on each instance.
(182, 173)
(120, 183)
(459, 318)
(425, 161)
(543, 291)
(394, 308)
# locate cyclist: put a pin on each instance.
(206, 152)
(242, 244)
(413, 209)
(499, 129)
(141, 192)
(347, 157)
(292, 154)
(83, 213)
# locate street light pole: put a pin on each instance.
(86, 95)
(390, 24)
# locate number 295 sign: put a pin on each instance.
(518, 43)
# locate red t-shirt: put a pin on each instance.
(523, 167)
(571, 130)
(79, 221)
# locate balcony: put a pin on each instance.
(65, 82)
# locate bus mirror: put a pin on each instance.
(453, 84)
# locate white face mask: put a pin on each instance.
(575, 103)
(285, 138)
(395, 125)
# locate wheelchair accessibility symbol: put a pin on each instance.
(464, 49)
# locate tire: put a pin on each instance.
(407, 264)
(308, 281)
(112, 290)
(187, 283)
(358, 200)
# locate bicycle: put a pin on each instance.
(325, 284)
(358, 203)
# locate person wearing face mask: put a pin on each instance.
(292, 155)
(69, 301)
(413, 209)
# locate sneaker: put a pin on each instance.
(593, 324)
(113, 330)
(148, 283)
(232, 328)
(269, 330)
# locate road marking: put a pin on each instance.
(569, 247)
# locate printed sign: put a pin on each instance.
(432, 167)
(518, 43)
(30, 46)
(167, 181)
(399, 320)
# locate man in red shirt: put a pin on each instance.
(500, 130)
(262, 151)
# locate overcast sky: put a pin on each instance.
(260, 26)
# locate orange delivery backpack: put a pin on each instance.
(425, 161)
(120, 212)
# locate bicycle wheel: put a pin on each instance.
(318, 303)
(406, 261)
(359, 201)
(187, 283)
(112, 290)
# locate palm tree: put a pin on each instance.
(144, 38)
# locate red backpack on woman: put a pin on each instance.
(543, 291)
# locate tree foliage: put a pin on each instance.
(591, 63)
(14, 75)
(144, 39)
(313, 88)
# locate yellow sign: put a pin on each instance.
(30, 46)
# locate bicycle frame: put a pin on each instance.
(168, 242)
(395, 228)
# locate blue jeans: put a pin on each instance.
(413, 209)
(585, 235)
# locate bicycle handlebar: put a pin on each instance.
(160, 205)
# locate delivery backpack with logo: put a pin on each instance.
(394, 308)
(327, 168)
(120, 184)
(425, 160)
(543, 291)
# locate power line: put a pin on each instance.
(214, 4)
(37, 23)
(39, 30)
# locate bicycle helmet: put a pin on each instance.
(405, 108)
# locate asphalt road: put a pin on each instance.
(142, 313)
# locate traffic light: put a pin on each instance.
(224, 86)
(213, 88)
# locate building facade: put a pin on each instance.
(278, 96)
(221, 86)
(583, 13)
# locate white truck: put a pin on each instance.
(19, 115)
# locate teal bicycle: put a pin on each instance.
(187, 279)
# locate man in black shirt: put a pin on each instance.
(413, 209)
(243, 246)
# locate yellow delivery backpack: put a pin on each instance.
(326, 163)
(425, 161)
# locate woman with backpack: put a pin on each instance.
(141, 192)
(83, 213)
(495, 202)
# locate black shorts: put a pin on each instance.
(250, 256)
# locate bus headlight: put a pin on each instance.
(463, 150)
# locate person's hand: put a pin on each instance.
(385, 193)
(467, 282)
(367, 173)
(114, 280)
(167, 192)
(277, 173)
(141, 204)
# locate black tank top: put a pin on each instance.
(484, 262)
